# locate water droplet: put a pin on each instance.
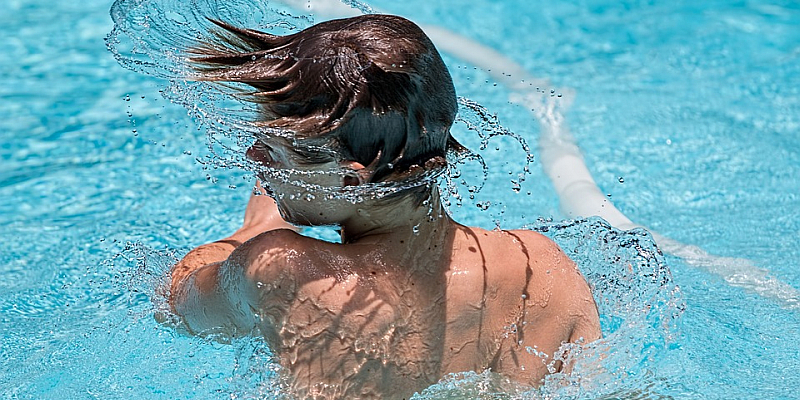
(621, 180)
(187, 152)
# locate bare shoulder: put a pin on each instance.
(217, 297)
(522, 257)
(550, 283)
(542, 258)
(538, 243)
(557, 307)
(562, 288)
(275, 256)
(289, 263)
(271, 248)
(544, 255)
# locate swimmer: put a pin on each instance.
(409, 295)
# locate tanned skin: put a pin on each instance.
(393, 309)
(409, 295)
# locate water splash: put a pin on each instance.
(639, 304)
(469, 172)
(471, 385)
(154, 37)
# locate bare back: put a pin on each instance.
(383, 321)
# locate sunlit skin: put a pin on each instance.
(408, 296)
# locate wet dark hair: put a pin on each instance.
(372, 88)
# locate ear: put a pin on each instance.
(355, 173)
(257, 152)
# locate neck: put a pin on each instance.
(402, 224)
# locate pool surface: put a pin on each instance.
(687, 114)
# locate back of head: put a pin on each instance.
(372, 88)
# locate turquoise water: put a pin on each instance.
(688, 115)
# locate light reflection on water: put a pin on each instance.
(639, 304)
(83, 185)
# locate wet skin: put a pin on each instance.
(393, 309)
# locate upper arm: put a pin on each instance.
(226, 297)
(203, 303)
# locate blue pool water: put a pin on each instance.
(688, 114)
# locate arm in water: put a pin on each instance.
(210, 284)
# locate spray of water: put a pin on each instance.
(154, 37)
(638, 302)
